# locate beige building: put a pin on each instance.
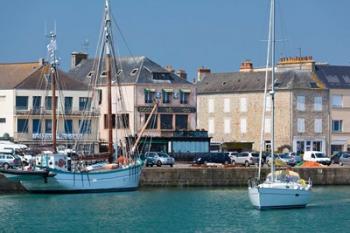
(25, 97)
(138, 84)
(229, 106)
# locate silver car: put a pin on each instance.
(8, 161)
(159, 159)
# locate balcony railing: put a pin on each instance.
(49, 112)
(59, 136)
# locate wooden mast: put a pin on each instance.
(109, 80)
(53, 101)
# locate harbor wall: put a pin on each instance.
(211, 177)
(214, 177)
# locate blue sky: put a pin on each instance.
(187, 34)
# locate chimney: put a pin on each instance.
(41, 61)
(76, 58)
(202, 72)
(246, 66)
(182, 74)
(296, 63)
(169, 68)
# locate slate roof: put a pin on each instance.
(332, 76)
(31, 76)
(254, 81)
(144, 71)
(11, 74)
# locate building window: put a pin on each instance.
(36, 126)
(268, 103)
(149, 96)
(84, 103)
(48, 126)
(2, 120)
(123, 121)
(268, 145)
(99, 91)
(105, 117)
(318, 126)
(337, 125)
(167, 93)
(210, 105)
(243, 125)
(243, 105)
(21, 102)
(85, 126)
(211, 126)
(68, 126)
(36, 103)
(166, 121)
(300, 147)
(68, 104)
(301, 125)
(181, 122)
(318, 103)
(301, 103)
(227, 125)
(48, 102)
(227, 105)
(184, 96)
(22, 126)
(267, 125)
(317, 145)
(153, 122)
(337, 101)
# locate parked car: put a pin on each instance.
(213, 157)
(159, 159)
(246, 158)
(287, 158)
(317, 156)
(341, 158)
(9, 161)
(232, 155)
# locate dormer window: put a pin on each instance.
(161, 76)
(90, 74)
(134, 71)
(104, 74)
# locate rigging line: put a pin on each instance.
(123, 37)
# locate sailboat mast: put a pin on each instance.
(53, 65)
(109, 80)
(273, 46)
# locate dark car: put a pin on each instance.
(213, 157)
(341, 158)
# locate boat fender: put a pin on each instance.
(302, 182)
(61, 163)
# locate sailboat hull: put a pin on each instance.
(124, 179)
(278, 197)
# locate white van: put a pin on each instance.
(316, 156)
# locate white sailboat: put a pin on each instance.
(54, 176)
(284, 188)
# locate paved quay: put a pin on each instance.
(184, 175)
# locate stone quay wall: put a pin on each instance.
(214, 177)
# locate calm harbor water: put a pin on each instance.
(171, 210)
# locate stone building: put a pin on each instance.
(230, 106)
(141, 82)
(25, 99)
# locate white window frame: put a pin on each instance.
(318, 125)
(227, 105)
(301, 103)
(227, 125)
(337, 101)
(243, 125)
(243, 106)
(267, 125)
(210, 105)
(318, 103)
(211, 126)
(301, 125)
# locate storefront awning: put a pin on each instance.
(150, 90)
(186, 90)
(168, 90)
